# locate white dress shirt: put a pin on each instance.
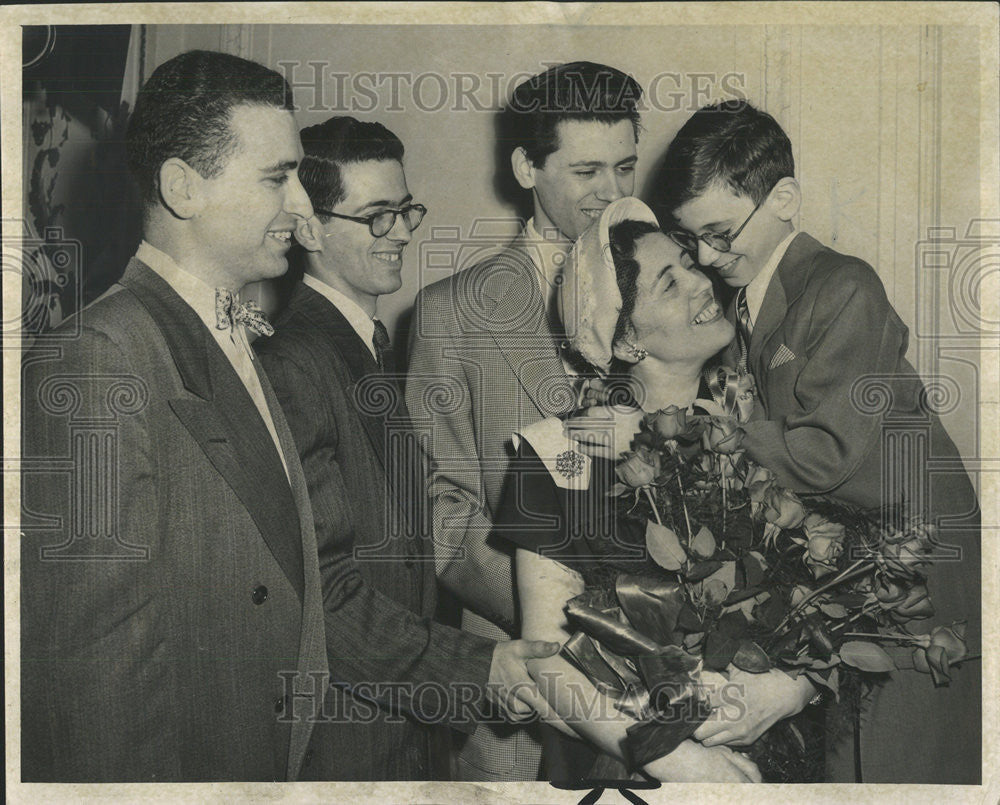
(363, 324)
(757, 287)
(200, 296)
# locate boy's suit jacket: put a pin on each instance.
(169, 582)
(368, 499)
(483, 364)
(845, 414)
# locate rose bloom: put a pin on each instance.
(938, 650)
(722, 435)
(825, 542)
(638, 469)
(822, 555)
(917, 530)
(905, 558)
(783, 508)
(759, 480)
(889, 593)
(670, 421)
(816, 526)
(916, 605)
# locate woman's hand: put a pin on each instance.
(604, 431)
(748, 705)
(693, 763)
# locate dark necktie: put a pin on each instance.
(743, 322)
(383, 348)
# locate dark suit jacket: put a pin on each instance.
(366, 486)
(483, 364)
(846, 415)
(168, 580)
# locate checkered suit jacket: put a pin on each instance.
(483, 364)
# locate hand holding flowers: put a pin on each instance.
(784, 595)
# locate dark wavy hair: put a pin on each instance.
(340, 141)
(581, 91)
(184, 110)
(730, 143)
(623, 238)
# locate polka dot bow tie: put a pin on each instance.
(229, 312)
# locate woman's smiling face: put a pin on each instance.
(676, 317)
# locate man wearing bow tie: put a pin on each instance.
(333, 368)
(171, 607)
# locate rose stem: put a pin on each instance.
(687, 521)
(884, 636)
(863, 611)
(656, 512)
(850, 572)
(725, 485)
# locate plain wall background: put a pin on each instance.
(884, 123)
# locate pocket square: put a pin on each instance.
(782, 356)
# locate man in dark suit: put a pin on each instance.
(486, 344)
(171, 608)
(333, 369)
(842, 413)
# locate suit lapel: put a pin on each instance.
(520, 329)
(772, 313)
(786, 286)
(224, 420)
(312, 645)
(330, 324)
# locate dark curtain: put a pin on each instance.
(82, 214)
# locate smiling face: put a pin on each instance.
(676, 318)
(361, 266)
(248, 212)
(719, 209)
(593, 166)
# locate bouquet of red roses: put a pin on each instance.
(749, 576)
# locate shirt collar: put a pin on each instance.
(357, 317)
(757, 287)
(192, 289)
(551, 253)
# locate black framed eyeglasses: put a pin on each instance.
(381, 223)
(715, 240)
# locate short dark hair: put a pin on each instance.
(341, 141)
(185, 108)
(579, 91)
(623, 238)
(729, 143)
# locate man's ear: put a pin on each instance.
(524, 170)
(180, 188)
(786, 198)
(310, 235)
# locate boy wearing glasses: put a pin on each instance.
(817, 332)
(332, 367)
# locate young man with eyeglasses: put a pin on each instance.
(817, 332)
(332, 367)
